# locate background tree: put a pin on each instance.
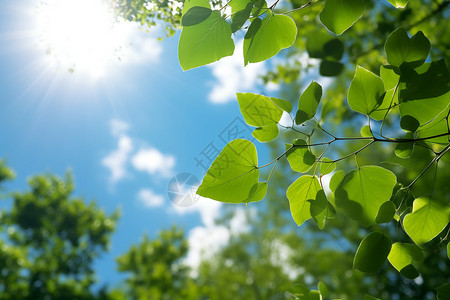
(50, 240)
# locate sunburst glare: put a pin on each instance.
(79, 35)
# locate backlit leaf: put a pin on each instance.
(428, 218)
(402, 256)
(233, 173)
(400, 48)
(205, 42)
(299, 192)
(366, 94)
(372, 252)
(398, 3)
(339, 15)
(266, 133)
(300, 158)
(386, 212)
(327, 166)
(195, 15)
(362, 192)
(258, 110)
(266, 38)
(308, 102)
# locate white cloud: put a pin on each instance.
(231, 76)
(208, 209)
(118, 127)
(149, 198)
(154, 162)
(206, 240)
(116, 161)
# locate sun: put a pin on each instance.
(79, 34)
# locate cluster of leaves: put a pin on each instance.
(408, 92)
(50, 240)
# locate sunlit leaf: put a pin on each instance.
(266, 133)
(195, 15)
(257, 192)
(362, 192)
(398, 3)
(188, 4)
(386, 212)
(258, 110)
(308, 102)
(283, 104)
(299, 192)
(428, 218)
(400, 48)
(327, 166)
(405, 149)
(372, 252)
(240, 17)
(319, 209)
(233, 173)
(366, 94)
(300, 157)
(339, 15)
(336, 180)
(365, 131)
(266, 38)
(402, 256)
(205, 42)
(424, 92)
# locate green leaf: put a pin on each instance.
(323, 289)
(362, 192)
(428, 218)
(257, 192)
(195, 15)
(402, 256)
(205, 42)
(448, 250)
(386, 212)
(308, 102)
(366, 132)
(237, 5)
(300, 158)
(398, 3)
(400, 48)
(266, 133)
(409, 123)
(283, 104)
(372, 252)
(389, 77)
(339, 15)
(405, 149)
(299, 290)
(336, 180)
(239, 18)
(327, 166)
(233, 173)
(266, 38)
(319, 208)
(258, 110)
(443, 292)
(321, 44)
(366, 94)
(330, 68)
(425, 91)
(188, 4)
(299, 192)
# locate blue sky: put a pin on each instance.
(123, 133)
